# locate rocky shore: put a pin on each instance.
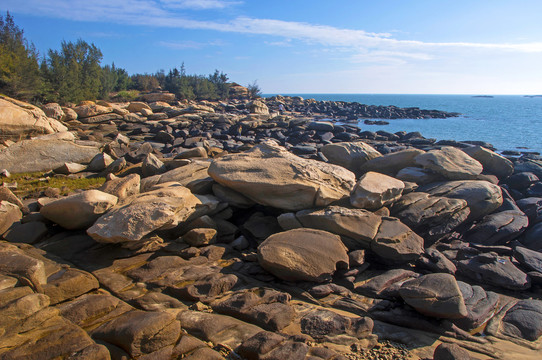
(230, 230)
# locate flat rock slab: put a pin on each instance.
(436, 295)
(269, 175)
(43, 155)
(391, 164)
(374, 190)
(303, 255)
(451, 163)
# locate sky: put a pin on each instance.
(316, 46)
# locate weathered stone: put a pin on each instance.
(79, 211)
(385, 285)
(194, 176)
(158, 96)
(303, 255)
(446, 351)
(533, 238)
(396, 243)
(14, 262)
(22, 119)
(498, 228)
(481, 306)
(531, 259)
(100, 162)
(435, 295)
(391, 164)
(524, 320)
(84, 111)
(451, 163)
(152, 166)
(69, 284)
(200, 237)
(122, 187)
(197, 152)
(350, 155)
(492, 269)
(160, 209)
(482, 197)
(374, 190)
(271, 176)
(320, 323)
(41, 155)
(136, 106)
(492, 162)
(29, 233)
(258, 107)
(9, 214)
(418, 175)
(70, 168)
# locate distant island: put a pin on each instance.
(482, 96)
(532, 96)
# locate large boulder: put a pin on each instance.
(435, 295)
(159, 209)
(158, 96)
(18, 119)
(44, 154)
(258, 107)
(79, 211)
(374, 190)
(271, 176)
(53, 110)
(350, 155)
(482, 197)
(524, 320)
(451, 163)
(303, 255)
(91, 109)
(492, 162)
(391, 164)
(396, 243)
(9, 214)
(498, 228)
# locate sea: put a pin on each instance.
(508, 122)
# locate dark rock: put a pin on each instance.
(480, 304)
(498, 228)
(494, 270)
(524, 320)
(531, 259)
(320, 323)
(447, 351)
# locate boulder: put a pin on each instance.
(482, 197)
(160, 209)
(492, 162)
(137, 106)
(158, 96)
(303, 255)
(436, 295)
(524, 320)
(88, 110)
(100, 162)
(533, 238)
(391, 164)
(350, 155)
(258, 107)
(152, 166)
(79, 211)
(53, 110)
(70, 168)
(271, 176)
(19, 119)
(530, 259)
(42, 155)
(69, 114)
(396, 243)
(418, 175)
(374, 190)
(492, 269)
(498, 228)
(122, 187)
(322, 323)
(481, 306)
(9, 214)
(447, 351)
(451, 163)
(430, 216)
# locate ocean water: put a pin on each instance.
(509, 122)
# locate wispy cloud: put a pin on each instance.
(189, 44)
(199, 4)
(169, 14)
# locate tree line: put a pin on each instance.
(75, 73)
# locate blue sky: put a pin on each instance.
(317, 46)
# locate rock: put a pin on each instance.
(321, 323)
(53, 110)
(521, 181)
(430, 216)
(533, 238)
(197, 152)
(492, 269)
(532, 207)
(194, 176)
(271, 176)
(22, 119)
(158, 96)
(524, 320)
(451, 163)
(9, 214)
(152, 166)
(303, 255)
(70, 284)
(70, 168)
(374, 190)
(350, 155)
(436, 295)
(100, 162)
(160, 209)
(418, 175)
(446, 351)
(7, 195)
(137, 106)
(29, 233)
(41, 155)
(258, 107)
(69, 114)
(357, 224)
(79, 211)
(533, 166)
(13, 262)
(531, 259)
(435, 261)
(481, 306)
(482, 197)
(140, 332)
(391, 164)
(385, 285)
(498, 228)
(200, 237)
(85, 111)
(232, 197)
(397, 243)
(122, 187)
(492, 162)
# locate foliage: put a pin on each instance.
(144, 82)
(126, 95)
(19, 68)
(254, 90)
(31, 184)
(213, 87)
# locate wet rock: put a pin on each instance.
(374, 190)
(79, 211)
(451, 163)
(494, 270)
(303, 255)
(271, 176)
(350, 155)
(498, 228)
(436, 295)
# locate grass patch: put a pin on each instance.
(126, 95)
(33, 184)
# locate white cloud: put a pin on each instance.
(189, 44)
(199, 4)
